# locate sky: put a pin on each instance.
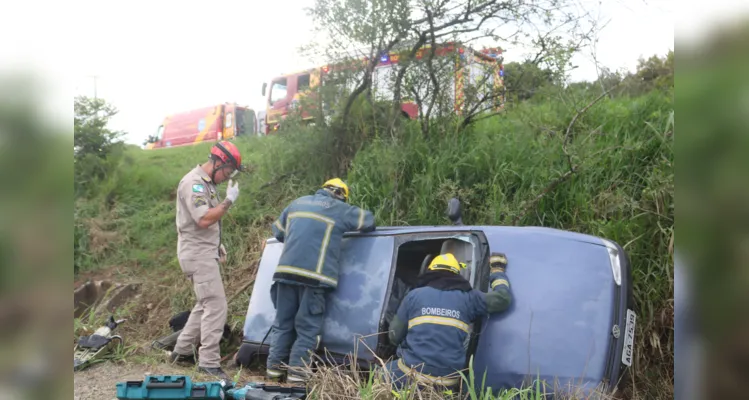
(155, 58)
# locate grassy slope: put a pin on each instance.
(622, 190)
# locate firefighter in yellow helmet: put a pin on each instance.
(338, 188)
(311, 229)
(433, 320)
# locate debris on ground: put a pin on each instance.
(105, 295)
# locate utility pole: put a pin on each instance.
(95, 78)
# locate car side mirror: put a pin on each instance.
(264, 86)
(453, 211)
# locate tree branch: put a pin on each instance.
(556, 182)
(367, 79)
(581, 112)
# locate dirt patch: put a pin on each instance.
(162, 293)
(99, 381)
(101, 239)
(118, 273)
(105, 295)
(99, 275)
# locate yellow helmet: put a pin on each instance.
(446, 262)
(337, 183)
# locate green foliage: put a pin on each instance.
(96, 147)
(358, 33)
(529, 80)
(378, 387)
(523, 80)
(654, 73)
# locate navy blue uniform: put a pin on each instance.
(311, 228)
(432, 325)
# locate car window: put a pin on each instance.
(415, 255)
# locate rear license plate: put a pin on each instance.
(629, 338)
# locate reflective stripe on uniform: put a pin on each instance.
(307, 274)
(279, 226)
(324, 248)
(361, 219)
(498, 282)
(307, 214)
(497, 269)
(498, 259)
(326, 239)
(431, 319)
(274, 373)
(424, 378)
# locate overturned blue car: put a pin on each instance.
(571, 323)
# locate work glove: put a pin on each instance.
(232, 191)
(498, 262)
(222, 254)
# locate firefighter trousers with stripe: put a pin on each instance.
(298, 325)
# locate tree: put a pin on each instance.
(653, 73)
(90, 126)
(656, 72)
(94, 143)
(367, 29)
(524, 79)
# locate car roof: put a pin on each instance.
(412, 229)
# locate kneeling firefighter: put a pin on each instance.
(432, 323)
(311, 229)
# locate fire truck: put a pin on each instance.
(213, 123)
(467, 66)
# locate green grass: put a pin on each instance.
(349, 382)
(622, 189)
